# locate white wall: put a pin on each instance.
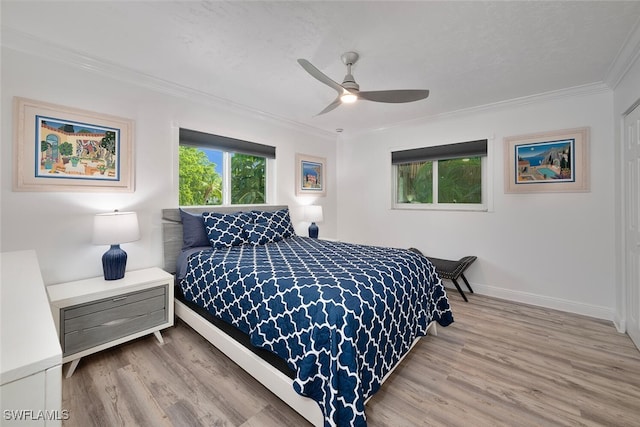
(551, 249)
(58, 225)
(554, 250)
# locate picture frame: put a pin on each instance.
(310, 175)
(60, 148)
(556, 161)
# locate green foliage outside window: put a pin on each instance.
(415, 182)
(459, 181)
(200, 184)
(248, 179)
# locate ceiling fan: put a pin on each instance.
(349, 90)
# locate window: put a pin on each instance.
(216, 170)
(449, 176)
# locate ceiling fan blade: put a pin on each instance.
(331, 106)
(394, 96)
(320, 76)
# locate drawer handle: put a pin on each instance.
(118, 299)
(115, 322)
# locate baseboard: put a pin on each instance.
(620, 324)
(598, 312)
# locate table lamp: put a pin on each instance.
(112, 229)
(313, 214)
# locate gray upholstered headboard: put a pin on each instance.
(172, 227)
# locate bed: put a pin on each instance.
(320, 323)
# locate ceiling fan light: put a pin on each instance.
(348, 98)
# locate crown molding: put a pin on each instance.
(624, 60)
(26, 43)
(570, 92)
(583, 90)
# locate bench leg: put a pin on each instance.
(455, 282)
(466, 282)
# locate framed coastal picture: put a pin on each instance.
(555, 161)
(59, 148)
(310, 175)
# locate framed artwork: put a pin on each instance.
(58, 148)
(555, 161)
(310, 175)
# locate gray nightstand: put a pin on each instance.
(94, 314)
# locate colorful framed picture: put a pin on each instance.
(58, 148)
(310, 175)
(547, 162)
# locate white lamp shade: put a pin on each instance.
(313, 213)
(115, 227)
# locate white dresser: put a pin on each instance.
(30, 353)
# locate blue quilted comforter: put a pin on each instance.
(341, 315)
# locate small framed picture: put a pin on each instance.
(58, 148)
(310, 175)
(555, 161)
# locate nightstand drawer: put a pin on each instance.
(88, 325)
(107, 303)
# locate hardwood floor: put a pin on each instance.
(499, 364)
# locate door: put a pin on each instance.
(631, 160)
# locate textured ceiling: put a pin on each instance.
(467, 53)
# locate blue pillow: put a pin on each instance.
(194, 233)
(281, 221)
(260, 233)
(225, 230)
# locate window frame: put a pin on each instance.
(486, 205)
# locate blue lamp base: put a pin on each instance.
(114, 262)
(313, 230)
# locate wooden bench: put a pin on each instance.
(451, 270)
